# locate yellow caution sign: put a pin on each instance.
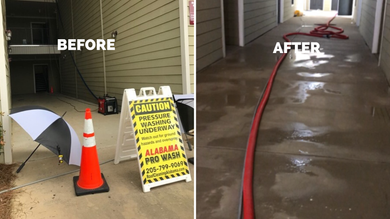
(161, 153)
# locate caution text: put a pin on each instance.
(157, 107)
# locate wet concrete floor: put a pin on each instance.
(323, 144)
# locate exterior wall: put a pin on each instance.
(68, 71)
(147, 48)
(22, 74)
(231, 22)
(259, 17)
(367, 21)
(288, 9)
(385, 50)
(22, 81)
(191, 50)
(87, 25)
(208, 33)
(5, 93)
(21, 29)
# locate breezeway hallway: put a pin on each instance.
(323, 144)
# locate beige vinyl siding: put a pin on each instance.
(208, 33)
(68, 73)
(87, 25)
(81, 21)
(367, 21)
(288, 9)
(385, 50)
(147, 49)
(259, 17)
(191, 51)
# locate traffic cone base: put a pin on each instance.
(80, 191)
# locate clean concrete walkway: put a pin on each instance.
(323, 145)
(55, 198)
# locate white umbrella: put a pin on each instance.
(50, 130)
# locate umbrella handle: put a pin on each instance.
(20, 167)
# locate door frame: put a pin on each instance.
(35, 89)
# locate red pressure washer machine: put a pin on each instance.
(107, 105)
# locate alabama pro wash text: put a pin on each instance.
(90, 44)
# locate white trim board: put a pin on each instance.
(359, 12)
(377, 26)
(185, 53)
(241, 34)
(223, 30)
(281, 16)
(5, 95)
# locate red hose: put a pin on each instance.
(248, 206)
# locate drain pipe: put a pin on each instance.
(104, 53)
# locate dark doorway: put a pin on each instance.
(231, 26)
(39, 33)
(316, 4)
(335, 5)
(345, 7)
(41, 78)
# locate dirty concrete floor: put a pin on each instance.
(55, 198)
(323, 144)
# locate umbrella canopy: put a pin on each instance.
(51, 130)
(185, 107)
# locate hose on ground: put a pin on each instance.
(247, 191)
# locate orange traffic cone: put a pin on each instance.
(90, 180)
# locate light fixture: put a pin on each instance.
(9, 34)
(114, 34)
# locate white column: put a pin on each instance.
(241, 22)
(5, 91)
(223, 29)
(185, 59)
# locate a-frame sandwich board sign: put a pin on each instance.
(149, 130)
